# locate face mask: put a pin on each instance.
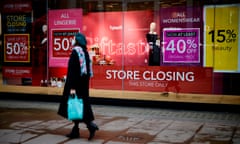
(73, 42)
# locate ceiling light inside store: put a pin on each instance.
(165, 5)
(111, 5)
(168, 3)
(99, 5)
(177, 3)
(161, 2)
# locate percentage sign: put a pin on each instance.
(23, 48)
(22, 45)
(191, 43)
(70, 39)
(231, 34)
(70, 42)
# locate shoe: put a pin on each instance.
(92, 127)
(74, 133)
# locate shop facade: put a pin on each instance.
(155, 46)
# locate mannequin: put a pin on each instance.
(44, 30)
(43, 53)
(154, 51)
(152, 28)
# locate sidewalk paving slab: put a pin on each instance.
(30, 123)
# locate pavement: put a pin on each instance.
(34, 122)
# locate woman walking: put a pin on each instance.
(77, 82)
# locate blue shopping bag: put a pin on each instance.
(75, 108)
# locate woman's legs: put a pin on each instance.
(92, 127)
(75, 131)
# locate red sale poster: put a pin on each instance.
(63, 25)
(119, 36)
(145, 78)
(16, 48)
(154, 78)
(17, 72)
(16, 28)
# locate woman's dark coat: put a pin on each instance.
(80, 84)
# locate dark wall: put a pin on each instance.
(231, 83)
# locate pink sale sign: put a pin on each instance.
(63, 25)
(181, 45)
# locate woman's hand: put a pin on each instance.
(72, 91)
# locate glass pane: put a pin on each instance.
(179, 46)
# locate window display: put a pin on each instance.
(153, 46)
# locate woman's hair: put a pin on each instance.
(81, 40)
